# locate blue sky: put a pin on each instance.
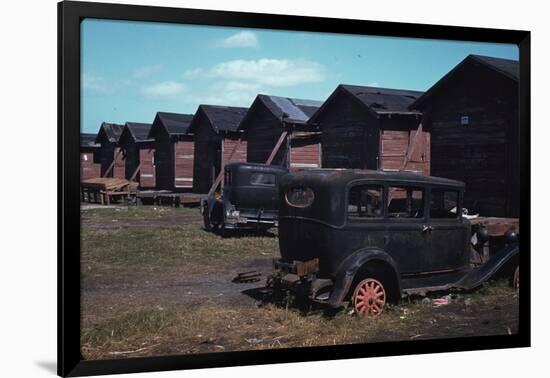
(131, 70)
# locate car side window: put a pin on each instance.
(365, 201)
(405, 202)
(444, 204)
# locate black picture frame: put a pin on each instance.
(70, 14)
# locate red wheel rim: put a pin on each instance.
(369, 297)
(516, 279)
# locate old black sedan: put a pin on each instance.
(370, 237)
(249, 200)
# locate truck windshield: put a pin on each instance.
(263, 179)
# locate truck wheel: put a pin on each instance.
(206, 218)
(516, 279)
(369, 297)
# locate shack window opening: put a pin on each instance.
(299, 197)
(405, 202)
(365, 201)
(444, 204)
(262, 179)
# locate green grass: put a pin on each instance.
(119, 256)
(161, 244)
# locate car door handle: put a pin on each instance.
(427, 228)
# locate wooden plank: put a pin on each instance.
(277, 147)
(411, 148)
(112, 165)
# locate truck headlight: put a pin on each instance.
(232, 213)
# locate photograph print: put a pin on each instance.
(252, 189)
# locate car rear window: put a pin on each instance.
(365, 201)
(263, 179)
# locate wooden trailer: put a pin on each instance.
(110, 155)
(472, 116)
(89, 157)
(174, 151)
(372, 128)
(277, 132)
(138, 151)
(217, 142)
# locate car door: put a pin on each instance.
(448, 234)
(405, 236)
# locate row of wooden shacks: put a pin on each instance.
(469, 132)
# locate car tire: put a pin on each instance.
(369, 297)
(515, 281)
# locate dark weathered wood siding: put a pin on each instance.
(346, 125)
(107, 153)
(263, 130)
(355, 137)
(164, 172)
(483, 154)
(207, 150)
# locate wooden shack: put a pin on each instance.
(279, 125)
(372, 128)
(138, 152)
(217, 142)
(89, 157)
(174, 151)
(110, 155)
(472, 115)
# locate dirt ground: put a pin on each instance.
(154, 282)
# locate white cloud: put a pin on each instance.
(272, 72)
(241, 39)
(95, 84)
(166, 88)
(193, 72)
(374, 84)
(146, 71)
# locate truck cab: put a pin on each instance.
(249, 199)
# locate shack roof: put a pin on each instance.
(172, 123)
(222, 118)
(88, 140)
(295, 110)
(109, 132)
(374, 99)
(138, 131)
(506, 67)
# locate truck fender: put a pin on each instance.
(211, 206)
(350, 266)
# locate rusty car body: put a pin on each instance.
(372, 237)
(249, 199)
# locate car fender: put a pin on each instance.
(350, 266)
(490, 268)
